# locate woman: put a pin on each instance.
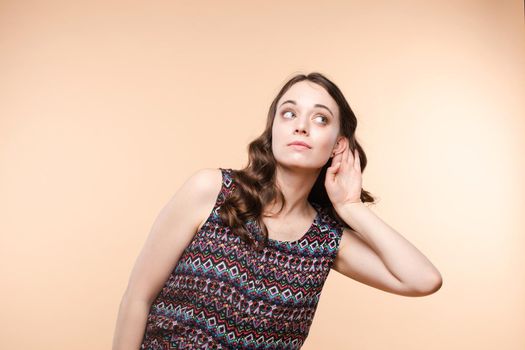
(238, 259)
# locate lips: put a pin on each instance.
(300, 143)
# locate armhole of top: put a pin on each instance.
(225, 184)
(338, 228)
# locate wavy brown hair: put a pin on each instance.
(255, 184)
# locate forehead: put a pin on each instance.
(307, 93)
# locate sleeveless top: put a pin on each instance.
(222, 294)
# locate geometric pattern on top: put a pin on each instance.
(223, 295)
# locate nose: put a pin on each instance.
(301, 126)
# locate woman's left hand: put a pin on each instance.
(343, 179)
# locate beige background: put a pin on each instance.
(106, 107)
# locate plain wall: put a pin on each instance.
(106, 107)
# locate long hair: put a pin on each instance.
(255, 183)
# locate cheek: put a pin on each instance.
(324, 137)
(275, 135)
(277, 131)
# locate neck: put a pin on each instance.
(295, 186)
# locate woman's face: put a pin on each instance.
(307, 113)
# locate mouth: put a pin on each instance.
(299, 144)
(299, 147)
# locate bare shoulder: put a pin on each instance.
(207, 183)
(197, 193)
(348, 236)
(173, 230)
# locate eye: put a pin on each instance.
(325, 118)
(284, 113)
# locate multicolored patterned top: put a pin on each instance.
(222, 294)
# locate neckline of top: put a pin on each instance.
(313, 225)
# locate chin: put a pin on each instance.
(299, 165)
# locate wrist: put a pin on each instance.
(349, 204)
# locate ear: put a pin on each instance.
(341, 144)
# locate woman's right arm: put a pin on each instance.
(172, 231)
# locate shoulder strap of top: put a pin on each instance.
(226, 188)
(334, 229)
(227, 185)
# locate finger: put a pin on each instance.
(350, 156)
(345, 155)
(336, 158)
(331, 171)
(357, 162)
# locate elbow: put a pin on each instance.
(432, 284)
(426, 286)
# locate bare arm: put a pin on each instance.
(131, 323)
(377, 255)
(171, 233)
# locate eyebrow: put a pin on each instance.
(315, 105)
